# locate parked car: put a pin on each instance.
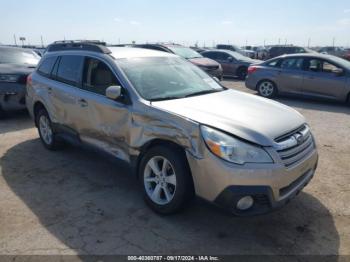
(317, 75)
(233, 64)
(181, 131)
(208, 65)
(336, 51)
(15, 65)
(260, 52)
(234, 48)
(279, 50)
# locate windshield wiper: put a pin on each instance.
(203, 92)
(165, 98)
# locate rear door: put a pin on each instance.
(64, 92)
(321, 79)
(228, 63)
(103, 122)
(290, 75)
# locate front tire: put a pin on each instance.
(47, 135)
(267, 89)
(166, 179)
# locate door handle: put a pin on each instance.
(83, 103)
(49, 89)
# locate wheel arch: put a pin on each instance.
(266, 79)
(38, 105)
(156, 142)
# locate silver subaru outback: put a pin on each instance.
(181, 131)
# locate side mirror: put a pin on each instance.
(113, 92)
(230, 59)
(338, 72)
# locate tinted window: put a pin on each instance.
(292, 63)
(69, 69)
(97, 76)
(212, 55)
(47, 65)
(18, 56)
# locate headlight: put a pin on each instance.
(233, 149)
(9, 78)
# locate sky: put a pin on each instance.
(206, 22)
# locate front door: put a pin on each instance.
(104, 123)
(322, 79)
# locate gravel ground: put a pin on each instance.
(77, 202)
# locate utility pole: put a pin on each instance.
(42, 41)
(308, 42)
(333, 41)
(14, 37)
(264, 42)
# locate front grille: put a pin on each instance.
(295, 146)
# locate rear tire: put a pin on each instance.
(267, 89)
(47, 135)
(166, 179)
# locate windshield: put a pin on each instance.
(185, 52)
(163, 78)
(342, 62)
(18, 56)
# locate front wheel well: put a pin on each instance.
(153, 143)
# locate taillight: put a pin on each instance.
(29, 79)
(252, 69)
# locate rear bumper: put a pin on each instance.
(12, 96)
(251, 82)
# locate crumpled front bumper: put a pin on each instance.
(271, 185)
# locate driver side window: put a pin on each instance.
(97, 76)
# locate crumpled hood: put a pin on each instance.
(15, 69)
(247, 116)
(203, 61)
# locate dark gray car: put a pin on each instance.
(15, 65)
(316, 75)
(233, 64)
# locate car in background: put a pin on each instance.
(208, 65)
(336, 51)
(314, 75)
(181, 131)
(234, 48)
(279, 50)
(233, 64)
(260, 52)
(15, 65)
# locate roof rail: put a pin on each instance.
(86, 45)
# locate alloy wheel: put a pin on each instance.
(160, 180)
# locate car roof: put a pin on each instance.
(133, 52)
(15, 48)
(315, 54)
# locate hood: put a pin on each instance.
(247, 116)
(203, 62)
(15, 69)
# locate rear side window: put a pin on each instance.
(46, 66)
(292, 63)
(212, 55)
(273, 63)
(69, 69)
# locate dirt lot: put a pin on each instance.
(77, 202)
